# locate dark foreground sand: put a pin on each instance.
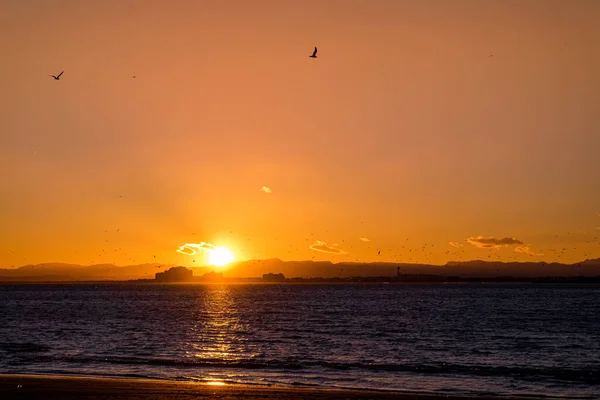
(61, 387)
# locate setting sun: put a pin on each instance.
(220, 256)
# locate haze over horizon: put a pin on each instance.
(425, 131)
(594, 261)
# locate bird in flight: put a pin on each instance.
(57, 77)
(314, 54)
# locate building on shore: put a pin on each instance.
(175, 274)
(271, 277)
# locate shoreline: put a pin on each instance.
(36, 386)
(542, 281)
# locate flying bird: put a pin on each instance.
(314, 54)
(57, 77)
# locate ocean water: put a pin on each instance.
(492, 339)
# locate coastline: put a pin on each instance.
(541, 281)
(32, 386)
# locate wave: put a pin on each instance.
(557, 374)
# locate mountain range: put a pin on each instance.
(59, 272)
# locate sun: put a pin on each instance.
(220, 256)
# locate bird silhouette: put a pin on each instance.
(57, 77)
(314, 54)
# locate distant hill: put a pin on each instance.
(475, 268)
(524, 269)
(57, 272)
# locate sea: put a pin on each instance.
(529, 340)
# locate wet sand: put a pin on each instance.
(70, 387)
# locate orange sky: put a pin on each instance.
(432, 121)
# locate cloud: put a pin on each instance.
(190, 249)
(455, 244)
(526, 250)
(364, 239)
(326, 248)
(492, 243)
(266, 189)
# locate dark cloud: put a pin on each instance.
(492, 243)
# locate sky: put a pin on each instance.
(425, 131)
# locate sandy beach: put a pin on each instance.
(71, 387)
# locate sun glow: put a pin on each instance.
(220, 256)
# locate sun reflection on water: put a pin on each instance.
(215, 383)
(217, 334)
